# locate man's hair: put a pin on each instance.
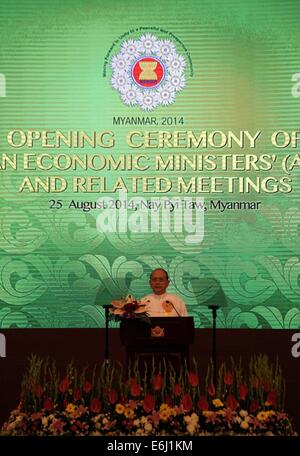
(160, 269)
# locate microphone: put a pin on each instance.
(170, 302)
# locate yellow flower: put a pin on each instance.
(221, 412)
(194, 417)
(164, 415)
(119, 409)
(163, 406)
(190, 428)
(208, 413)
(129, 413)
(218, 403)
(70, 408)
(262, 416)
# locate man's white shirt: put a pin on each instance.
(165, 305)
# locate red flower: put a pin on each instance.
(157, 382)
(255, 382)
(228, 378)
(95, 405)
(266, 385)
(202, 403)
(64, 385)
(87, 387)
(243, 390)
(77, 395)
(48, 404)
(193, 379)
(272, 397)
(113, 396)
(211, 390)
(135, 389)
(177, 389)
(39, 391)
(231, 402)
(106, 391)
(253, 406)
(79, 424)
(186, 402)
(149, 403)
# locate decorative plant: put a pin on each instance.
(154, 399)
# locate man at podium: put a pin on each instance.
(160, 303)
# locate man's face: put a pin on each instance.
(159, 282)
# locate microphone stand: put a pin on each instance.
(173, 307)
(214, 309)
(106, 307)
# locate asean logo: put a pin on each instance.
(148, 72)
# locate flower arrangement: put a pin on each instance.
(128, 307)
(160, 402)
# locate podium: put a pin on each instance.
(168, 337)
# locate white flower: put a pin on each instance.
(148, 44)
(148, 100)
(118, 62)
(190, 428)
(130, 95)
(120, 80)
(165, 48)
(178, 82)
(176, 63)
(166, 94)
(130, 49)
(148, 427)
